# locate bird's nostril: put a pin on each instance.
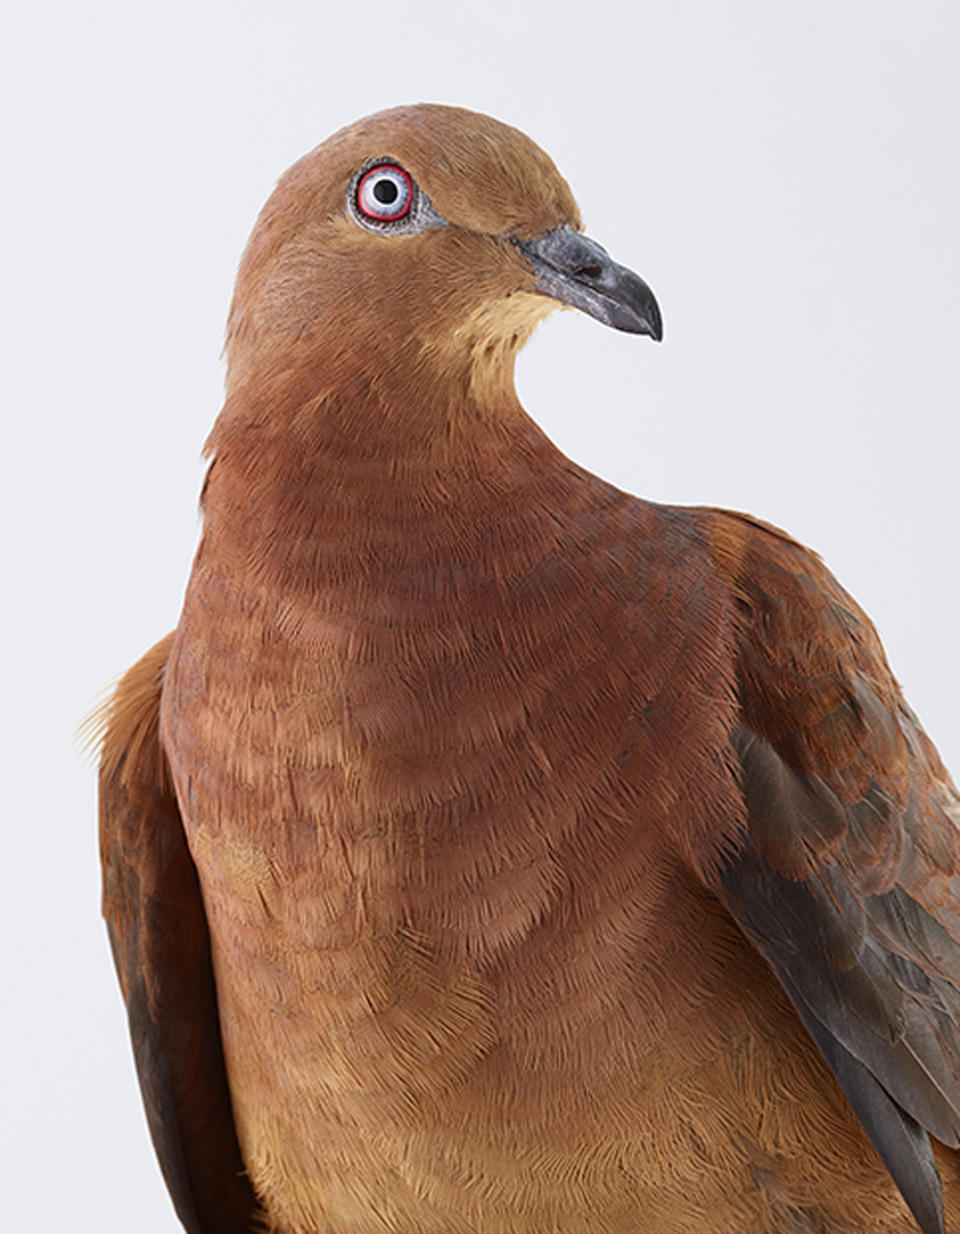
(588, 272)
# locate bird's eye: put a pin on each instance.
(385, 193)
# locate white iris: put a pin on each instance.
(384, 193)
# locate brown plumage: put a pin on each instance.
(488, 850)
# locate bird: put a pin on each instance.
(488, 849)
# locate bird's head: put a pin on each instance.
(425, 239)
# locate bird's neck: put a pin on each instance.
(310, 489)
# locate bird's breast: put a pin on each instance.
(434, 855)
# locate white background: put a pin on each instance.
(783, 174)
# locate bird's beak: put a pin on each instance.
(577, 271)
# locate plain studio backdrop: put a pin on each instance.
(784, 175)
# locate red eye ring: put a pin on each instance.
(384, 194)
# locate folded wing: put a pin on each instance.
(846, 877)
(161, 947)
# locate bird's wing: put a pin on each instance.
(161, 946)
(846, 877)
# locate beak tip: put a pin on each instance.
(652, 318)
(647, 324)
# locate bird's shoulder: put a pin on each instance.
(812, 674)
(815, 691)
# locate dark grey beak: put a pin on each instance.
(577, 271)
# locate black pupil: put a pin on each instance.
(386, 192)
